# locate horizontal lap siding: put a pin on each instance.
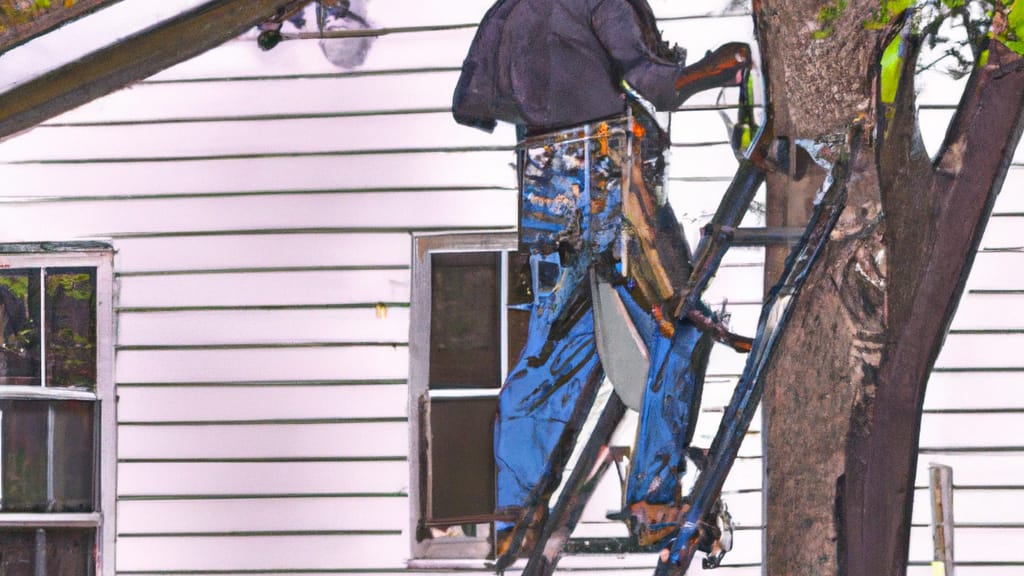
(323, 95)
(261, 206)
(278, 175)
(388, 210)
(262, 251)
(263, 237)
(262, 219)
(277, 327)
(297, 362)
(265, 288)
(288, 135)
(355, 439)
(260, 552)
(155, 518)
(150, 479)
(171, 403)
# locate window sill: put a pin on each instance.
(568, 562)
(45, 393)
(43, 519)
(470, 551)
(467, 564)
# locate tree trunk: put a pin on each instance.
(844, 393)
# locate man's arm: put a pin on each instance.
(665, 83)
(621, 32)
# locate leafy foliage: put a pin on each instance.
(887, 11)
(1013, 36)
(956, 33)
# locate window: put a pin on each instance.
(57, 419)
(469, 323)
(469, 320)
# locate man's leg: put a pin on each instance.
(542, 407)
(668, 417)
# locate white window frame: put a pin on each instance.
(462, 553)
(468, 553)
(79, 255)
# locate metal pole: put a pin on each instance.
(941, 491)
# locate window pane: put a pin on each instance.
(24, 456)
(70, 552)
(18, 552)
(464, 321)
(520, 297)
(71, 327)
(19, 327)
(462, 456)
(63, 552)
(74, 458)
(25, 435)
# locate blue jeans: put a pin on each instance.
(580, 229)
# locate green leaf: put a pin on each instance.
(888, 10)
(896, 7)
(1015, 45)
(1014, 33)
(746, 137)
(892, 68)
(1015, 18)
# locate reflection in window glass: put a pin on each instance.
(23, 442)
(73, 463)
(67, 552)
(71, 327)
(47, 456)
(19, 327)
(70, 552)
(18, 552)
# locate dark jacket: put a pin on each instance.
(555, 63)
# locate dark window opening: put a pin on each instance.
(479, 313)
(48, 456)
(462, 467)
(64, 551)
(465, 349)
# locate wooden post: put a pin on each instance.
(941, 491)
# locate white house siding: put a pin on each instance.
(261, 205)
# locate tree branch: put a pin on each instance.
(897, 131)
(986, 118)
(881, 456)
(904, 172)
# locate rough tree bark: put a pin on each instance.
(844, 394)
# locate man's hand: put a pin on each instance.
(722, 67)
